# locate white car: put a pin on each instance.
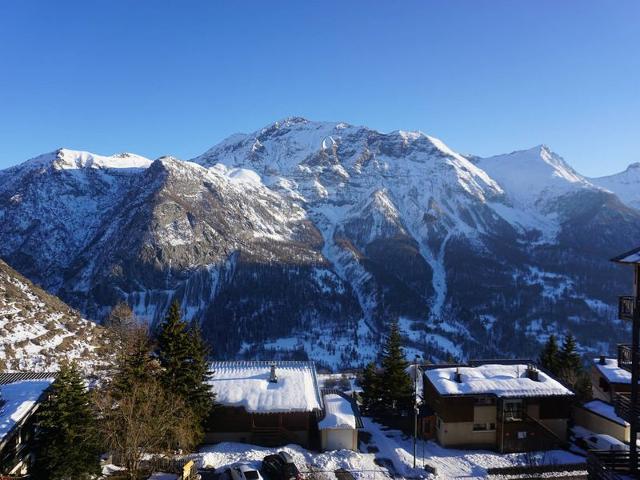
(244, 472)
(601, 441)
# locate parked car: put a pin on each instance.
(280, 466)
(601, 441)
(244, 472)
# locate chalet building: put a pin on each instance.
(20, 397)
(265, 403)
(611, 377)
(340, 423)
(499, 406)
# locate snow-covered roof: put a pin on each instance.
(339, 413)
(494, 379)
(632, 256)
(611, 371)
(604, 409)
(246, 384)
(20, 397)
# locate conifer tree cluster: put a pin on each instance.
(67, 441)
(388, 390)
(156, 399)
(565, 363)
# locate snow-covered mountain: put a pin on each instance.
(307, 238)
(626, 185)
(37, 330)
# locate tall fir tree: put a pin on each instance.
(549, 357)
(66, 439)
(183, 357)
(370, 383)
(396, 388)
(568, 358)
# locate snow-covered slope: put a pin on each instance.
(626, 185)
(37, 330)
(305, 239)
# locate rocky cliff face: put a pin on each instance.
(307, 238)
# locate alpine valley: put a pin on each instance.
(306, 239)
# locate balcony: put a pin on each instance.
(627, 307)
(623, 409)
(624, 357)
(609, 465)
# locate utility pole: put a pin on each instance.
(415, 409)
(635, 344)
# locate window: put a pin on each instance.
(604, 385)
(484, 401)
(438, 422)
(522, 435)
(484, 427)
(512, 410)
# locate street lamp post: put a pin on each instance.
(415, 408)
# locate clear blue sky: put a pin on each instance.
(175, 77)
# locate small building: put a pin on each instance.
(600, 417)
(609, 378)
(265, 403)
(339, 426)
(505, 407)
(20, 396)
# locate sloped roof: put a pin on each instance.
(632, 256)
(19, 397)
(340, 412)
(612, 372)
(246, 384)
(494, 379)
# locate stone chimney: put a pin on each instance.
(273, 377)
(457, 377)
(602, 360)
(532, 373)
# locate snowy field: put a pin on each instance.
(390, 456)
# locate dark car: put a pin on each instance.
(280, 467)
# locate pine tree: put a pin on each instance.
(568, 358)
(183, 357)
(571, 370)
(370, 384)
(66, 440)
(396, 388)
(549, 357)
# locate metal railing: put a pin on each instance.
(608, 465)
(627, 306)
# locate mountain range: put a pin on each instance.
(306, 239)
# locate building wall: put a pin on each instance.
(599, 424)
(461, 434)
(236, 424)
(339, 439)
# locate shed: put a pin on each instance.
(339, 426)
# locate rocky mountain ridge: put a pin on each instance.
(306, 238)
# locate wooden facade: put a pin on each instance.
(502, 424)
(266, 429)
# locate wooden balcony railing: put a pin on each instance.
(624, 357)
(624, 410)
(627, 307)
(609, 465)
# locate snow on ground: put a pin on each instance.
(225, 454)
(389, 454)
(449, 463)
